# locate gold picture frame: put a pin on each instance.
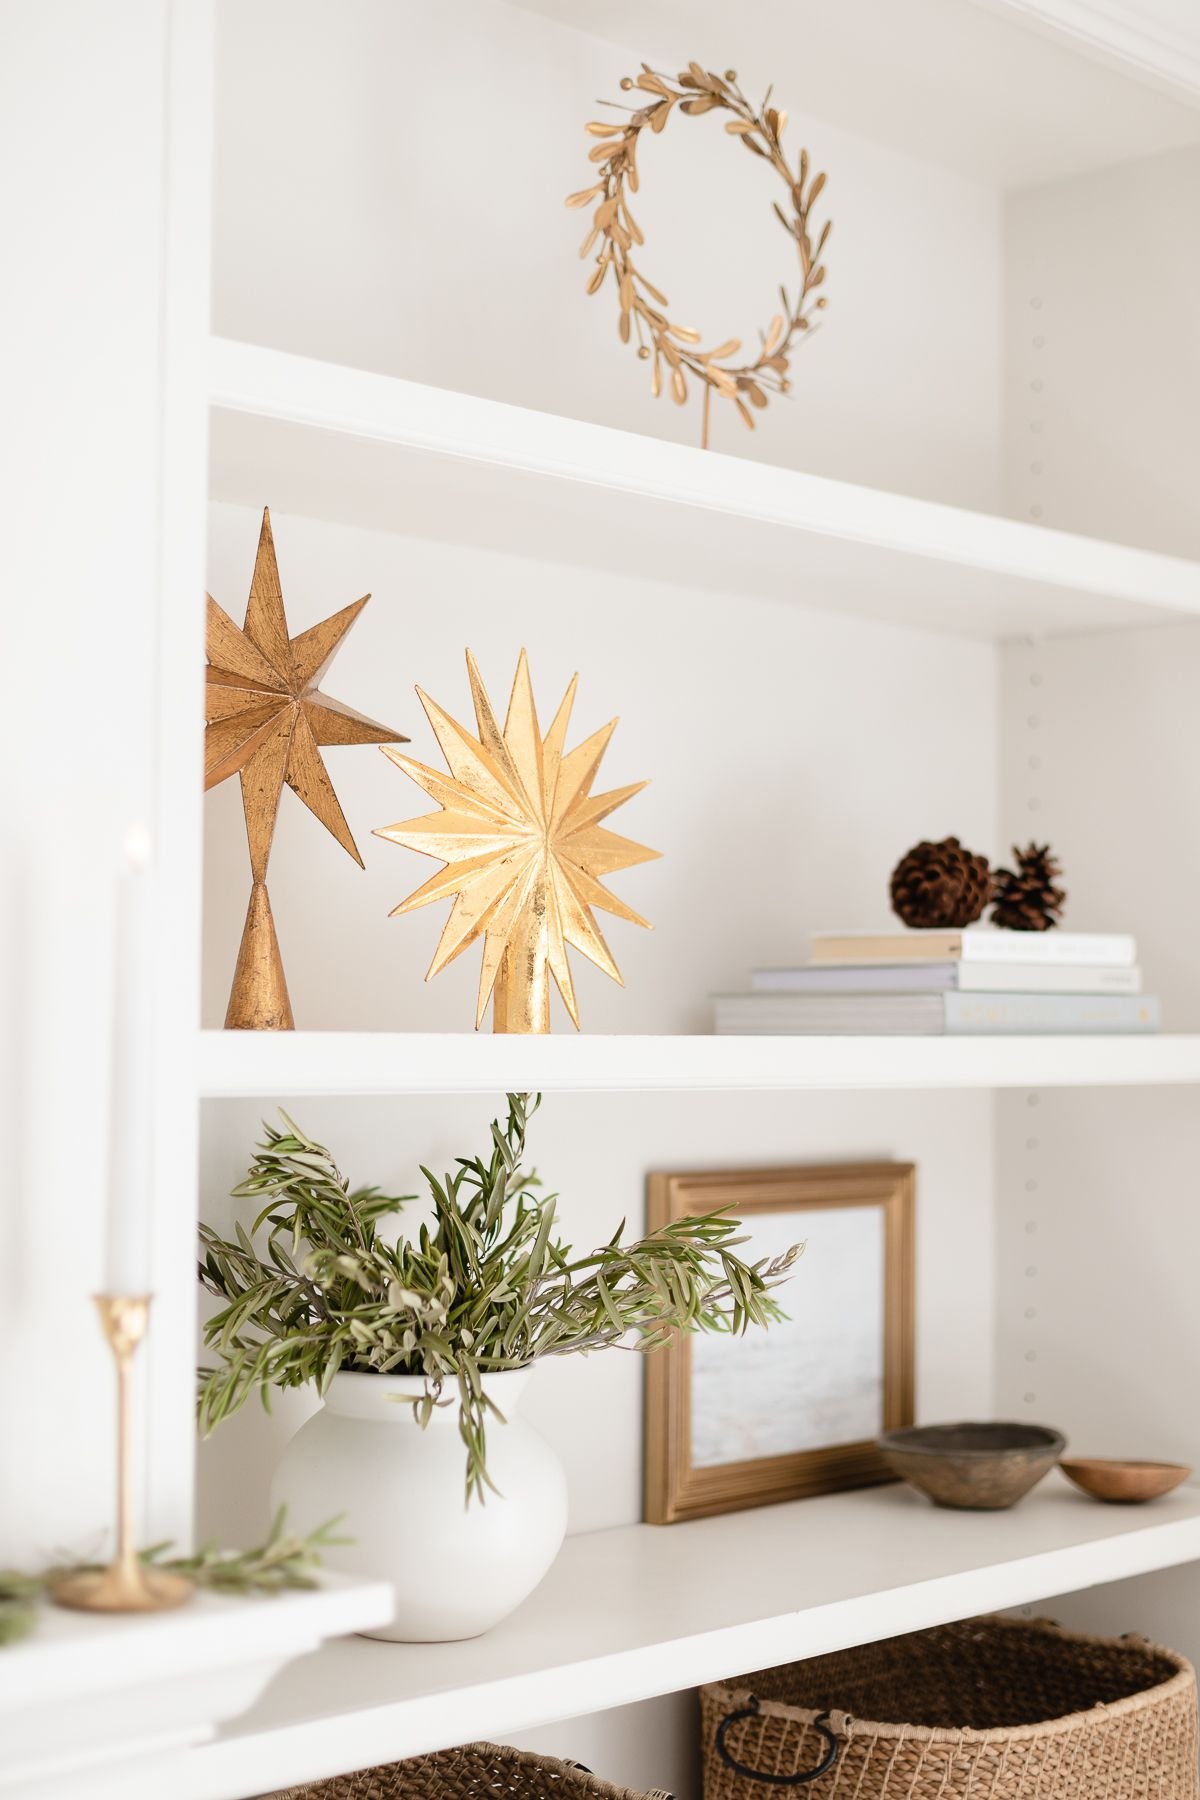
(677, 1487)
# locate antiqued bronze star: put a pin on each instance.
(267, 722)
(520, 834)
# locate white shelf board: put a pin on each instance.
(647, 1610)
(343, 444)
(266, 1065)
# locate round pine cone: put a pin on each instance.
(941, 886)
(1028, 899)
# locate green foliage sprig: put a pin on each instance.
(281, 1563)
(487, 1287)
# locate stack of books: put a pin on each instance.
(926, 983)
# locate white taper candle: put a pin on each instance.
(127, 1218)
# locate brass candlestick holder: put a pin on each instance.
(126, 1585)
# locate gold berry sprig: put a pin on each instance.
(676, 350)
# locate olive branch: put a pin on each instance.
(282, 1563)
(642, 305)
(486, 1287)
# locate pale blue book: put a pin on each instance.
(933, 1015)
(949, 977)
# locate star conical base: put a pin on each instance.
(258, 1000)
(521, 997)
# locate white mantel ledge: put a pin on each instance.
(92, 1703)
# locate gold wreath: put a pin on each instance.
(699, 91)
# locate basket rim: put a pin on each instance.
(595, 1784)
(583, 1780)
(847, 1724)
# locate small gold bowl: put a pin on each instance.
(1123, 1483)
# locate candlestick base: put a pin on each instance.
(127, 1585)
(122, 1588)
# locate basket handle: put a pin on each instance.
(821, 1724)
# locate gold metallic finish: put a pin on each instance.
(258, 1000)
(676, 353)
(267, 722)
(519, 832)
(125, 1585)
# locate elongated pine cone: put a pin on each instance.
(941, 887)
(1028, 899)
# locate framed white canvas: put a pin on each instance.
(794, 1409)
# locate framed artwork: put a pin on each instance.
(795, 1409)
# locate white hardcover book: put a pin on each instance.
(980, 944)
(949, 977)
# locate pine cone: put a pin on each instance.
(1028, 900)
(941, 886)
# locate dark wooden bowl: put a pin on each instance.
(1123, 1483)
(975, 1467)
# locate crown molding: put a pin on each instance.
(1159, 39)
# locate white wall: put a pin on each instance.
(389, 193)
(1101, 275)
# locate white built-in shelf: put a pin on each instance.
(265, 1065)
(105, 1698)
(342, 444)
(648, 1610)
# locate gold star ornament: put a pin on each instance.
(525, 852)
(267, 722)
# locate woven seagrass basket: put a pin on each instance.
(990, 1709)
(471, 1772)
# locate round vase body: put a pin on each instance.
(457, 1569)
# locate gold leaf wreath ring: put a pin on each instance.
(616, 231)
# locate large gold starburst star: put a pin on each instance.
(519, 831)
(266, 717)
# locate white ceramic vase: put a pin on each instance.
(457, 1569)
